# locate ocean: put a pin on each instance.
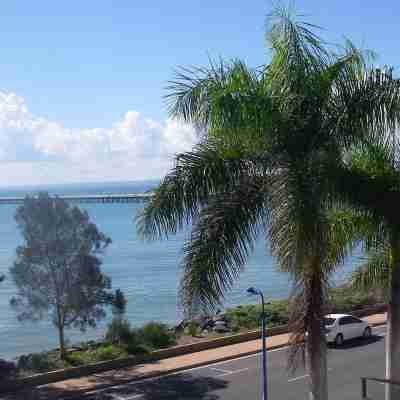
(147, 272)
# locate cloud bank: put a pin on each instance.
(34, 150)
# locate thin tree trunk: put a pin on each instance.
(63, 353)
(316, 342)
(393, 325)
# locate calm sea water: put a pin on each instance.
(147, 272)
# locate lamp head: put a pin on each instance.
(253, 291)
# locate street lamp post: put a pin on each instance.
(256, 292)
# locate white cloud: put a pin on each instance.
(35, 150)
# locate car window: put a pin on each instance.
(346, 320)
(329, 321)
(355, 320)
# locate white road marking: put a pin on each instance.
(298, 378)
(303, 376)
(224, 371)
(233, 372)
(116, 397)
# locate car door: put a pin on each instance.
(347, 327)
(357, 326)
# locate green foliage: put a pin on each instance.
(156, 335)
(118, 331)
(346, 298)
(40, 362)
(136, 343)
(119, 303)
(103, 352)
(339, 300)
(58, 267)
(192, 329)
(249, 316)
(109, 352)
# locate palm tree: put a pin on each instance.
(270, 140)
(370, 182)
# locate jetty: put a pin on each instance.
(90, 198)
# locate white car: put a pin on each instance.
(341, 327)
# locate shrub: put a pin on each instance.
(118, 331)
(157, 335)
(105, 353)
(249, 316)
(38, 362)
(7, 369)
(135, 343)
(192, 329)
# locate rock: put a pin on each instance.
(221, 329)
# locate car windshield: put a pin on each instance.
(329, 321)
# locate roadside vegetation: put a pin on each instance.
(121, 340)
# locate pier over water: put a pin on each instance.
(90, 198)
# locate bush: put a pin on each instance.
(7, 369)
(192, 329)
(105, 353)
(41, 362)
(340, 299)
(249, 316)
(345, 299)
(118, 331)
(157, 335)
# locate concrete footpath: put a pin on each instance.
(176, 364)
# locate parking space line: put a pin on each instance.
(224, 371)
(297, 378)
(120, 397)
(116, 397)
(233, 372)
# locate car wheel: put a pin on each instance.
(367, 332)
(339, 340)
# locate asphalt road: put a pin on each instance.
(240, 379)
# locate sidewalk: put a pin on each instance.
(175, 364)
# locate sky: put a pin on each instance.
(82, 82)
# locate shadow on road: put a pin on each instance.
(183, 386)
(359, 342)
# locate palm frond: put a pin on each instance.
(221, 240)
(211, 97)
(296, 50)
(366, 107)
(374, 272)
(197, 177)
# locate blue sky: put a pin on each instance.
(81, 65)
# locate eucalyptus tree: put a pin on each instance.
(270, 140)
(57, 270)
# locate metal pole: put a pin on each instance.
(363, 388)
(264, 350)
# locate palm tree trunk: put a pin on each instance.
(393, 324)
(316, 341)
(317, 365)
